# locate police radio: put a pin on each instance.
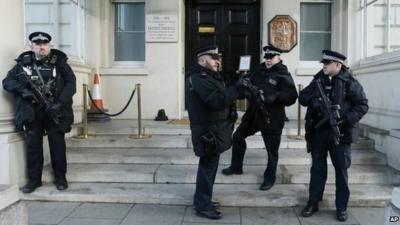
(27, 59)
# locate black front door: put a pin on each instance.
(234, 26)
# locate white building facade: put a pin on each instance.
(119, 40)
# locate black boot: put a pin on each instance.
(266, 185)
(61, 183)
(31, 186)
(309, 210)
(341, 215)
(209, 214)
(230, 171)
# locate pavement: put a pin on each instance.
(70, 213)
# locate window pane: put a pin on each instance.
(315, 33)
(129, 46)
(312, 44)
(315, 16)
(130, 32)
(130, 17)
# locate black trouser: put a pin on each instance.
(206, 173)
(34, 148)
(271, 141)
(321, 144)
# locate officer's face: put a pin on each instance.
(331, 68)
(214, 63)
(41, 49)
(270, 61)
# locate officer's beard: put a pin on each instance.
(41, 54)
(41, 57)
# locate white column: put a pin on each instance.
(12, 39)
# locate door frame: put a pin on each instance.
(191, 3)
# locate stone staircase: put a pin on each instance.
(112, 167)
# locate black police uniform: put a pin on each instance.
(58, 83)
(279, 91)
(208, 104)
(344, 90)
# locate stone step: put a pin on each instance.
(170, 130)
(129, 127)
(179, 141)
(183, 174)
(186, 156)
(245, 195)
(8, 196)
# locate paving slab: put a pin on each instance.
(101, 211)
(325, 217)
(369, 216)
(269, 216)
(49, 212)
(86, 221)
(155, 214)
(230, 215)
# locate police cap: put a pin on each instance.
(40, 37)
(271, 51)
(328, 55)
(211, 51)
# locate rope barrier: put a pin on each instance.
(115, 114)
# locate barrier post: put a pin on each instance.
(85, 127)
(298, 136)
(140, 134)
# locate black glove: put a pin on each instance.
(54, 111)
(343, 122)
(269, 99)
(233, 115)
(22, 78)
(243, 82)
(28, 95)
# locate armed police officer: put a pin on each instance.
(274, 83)
(43, 84)
(211, 123)
(336, 102)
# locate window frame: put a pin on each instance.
(306, 65)
(78, 27)
(125, 64)
(363, 9)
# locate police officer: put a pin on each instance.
(46, 71)
(274, 79)
(208, 103)
(342, 89)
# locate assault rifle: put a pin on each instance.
(330, 114)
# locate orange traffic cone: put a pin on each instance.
(97, 100)
(96, 106)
